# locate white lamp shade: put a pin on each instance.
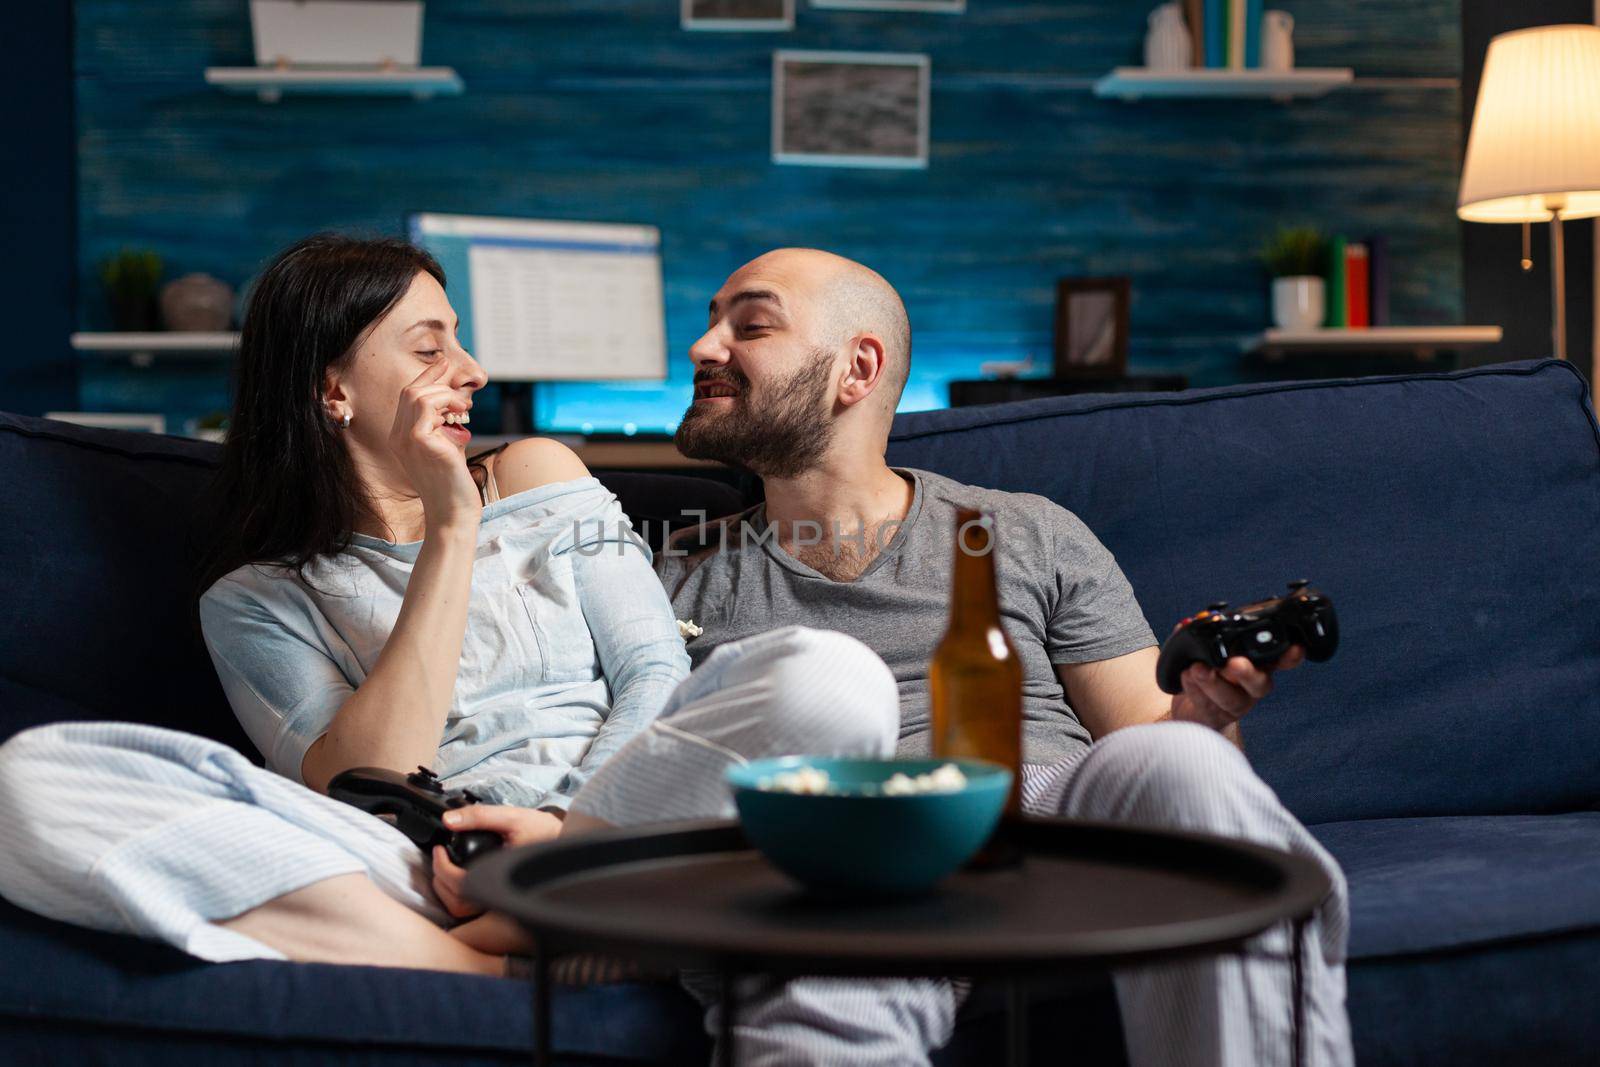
(1535, 140)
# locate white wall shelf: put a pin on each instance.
(1135, 83)
(1423, 341)
(141, 349)
(270, 83)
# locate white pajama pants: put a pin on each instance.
(140, 830)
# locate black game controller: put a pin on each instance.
(418, 802)
(1261, 632)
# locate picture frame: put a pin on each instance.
(337, 33)
(1091, 327)
(736, 16)
(850, 109)
(943, 7)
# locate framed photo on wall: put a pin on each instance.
(850, 109)
(736, 15)
(1092, 327)
(950, 7)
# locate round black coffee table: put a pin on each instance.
(1085, 897)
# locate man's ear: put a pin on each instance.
(864, 372)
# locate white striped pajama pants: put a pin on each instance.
(139, 830)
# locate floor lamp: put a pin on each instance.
(1534, 151)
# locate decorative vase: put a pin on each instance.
(197, 303)
(1277, 40)
(1298, 302)
(1167, 43)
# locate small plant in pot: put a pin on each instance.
(1294, 258)
(131, 278)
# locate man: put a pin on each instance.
(796, 380)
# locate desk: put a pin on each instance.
(1277, 355)
(628, 455)
(1003, 390)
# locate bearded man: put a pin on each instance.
(797, 378)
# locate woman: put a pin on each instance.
(376, 599)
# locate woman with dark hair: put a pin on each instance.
(374, 599)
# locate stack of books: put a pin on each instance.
(1226, 34)
(1357, 283)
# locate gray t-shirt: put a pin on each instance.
(1063, 599)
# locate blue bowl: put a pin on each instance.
(854, 839)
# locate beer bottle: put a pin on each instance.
(975, 678)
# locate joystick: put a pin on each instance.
(1261, 632)
(418, 802)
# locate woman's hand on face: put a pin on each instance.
(435, 464)
(516, 826)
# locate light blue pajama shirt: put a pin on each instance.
(571, 646)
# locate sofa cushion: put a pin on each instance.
(95, 532)
(1421, 885)
(96, 979)
(1454, 518)
(1520, 1002)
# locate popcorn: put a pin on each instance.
(807, 780)
(812, 781)
(946, 779)
(687, 629)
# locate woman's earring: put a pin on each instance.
(347, 420)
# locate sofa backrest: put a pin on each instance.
(1454, 518)
(97, 548)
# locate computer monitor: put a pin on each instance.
(552, 301)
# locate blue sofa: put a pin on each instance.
(1449, 755)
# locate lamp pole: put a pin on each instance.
(1558, 276)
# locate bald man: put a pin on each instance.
(796, 379)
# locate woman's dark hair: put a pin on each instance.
(287, 491)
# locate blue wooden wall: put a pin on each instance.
(606, 110)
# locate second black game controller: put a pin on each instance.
(418, 802)
(1261, 632)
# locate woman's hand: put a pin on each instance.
(436, 465)
(516, 826)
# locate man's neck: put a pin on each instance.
(837, 517)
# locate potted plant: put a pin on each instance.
(1294, 258)
(131, 277)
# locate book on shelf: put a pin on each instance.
(1336, 309)
(1378, 279)
(1224, 34)
(1235, 34)
(1214, 26)
(1194, 15)
(1356, 282)
(1252, 32)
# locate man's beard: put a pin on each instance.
(779, 437)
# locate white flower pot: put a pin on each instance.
(1298, 302)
